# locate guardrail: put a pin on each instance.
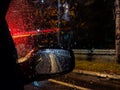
(102, 55)
(95, 51)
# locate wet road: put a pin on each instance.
(75, 82)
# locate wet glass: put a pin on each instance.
(40, 23)
(40, 32)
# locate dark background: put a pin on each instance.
(91, 24)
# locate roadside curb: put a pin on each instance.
(111, 76)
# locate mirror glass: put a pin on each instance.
(50, 61)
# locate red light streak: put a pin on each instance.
(32, 33)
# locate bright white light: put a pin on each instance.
(38, 30)
(42, 1)
(66, 11)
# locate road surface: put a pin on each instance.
(75, 81)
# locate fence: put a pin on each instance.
(106, 55)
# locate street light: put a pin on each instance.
(59, 21)
(65, 16)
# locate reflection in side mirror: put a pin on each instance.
(47, 63)
(53, 61)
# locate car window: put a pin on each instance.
(85, 26)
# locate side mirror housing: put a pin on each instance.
(46, 63)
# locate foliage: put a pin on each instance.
(91, 21)
(103, 67)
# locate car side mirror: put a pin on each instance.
(47, 63)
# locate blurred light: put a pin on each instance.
(66, 12)
(42, 1)
(40, 84)
(36, 83)
(38, 30)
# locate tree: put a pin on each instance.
(117, 23)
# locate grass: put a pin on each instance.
(103, 67)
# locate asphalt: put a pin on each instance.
(88, 78)
(105, 75)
